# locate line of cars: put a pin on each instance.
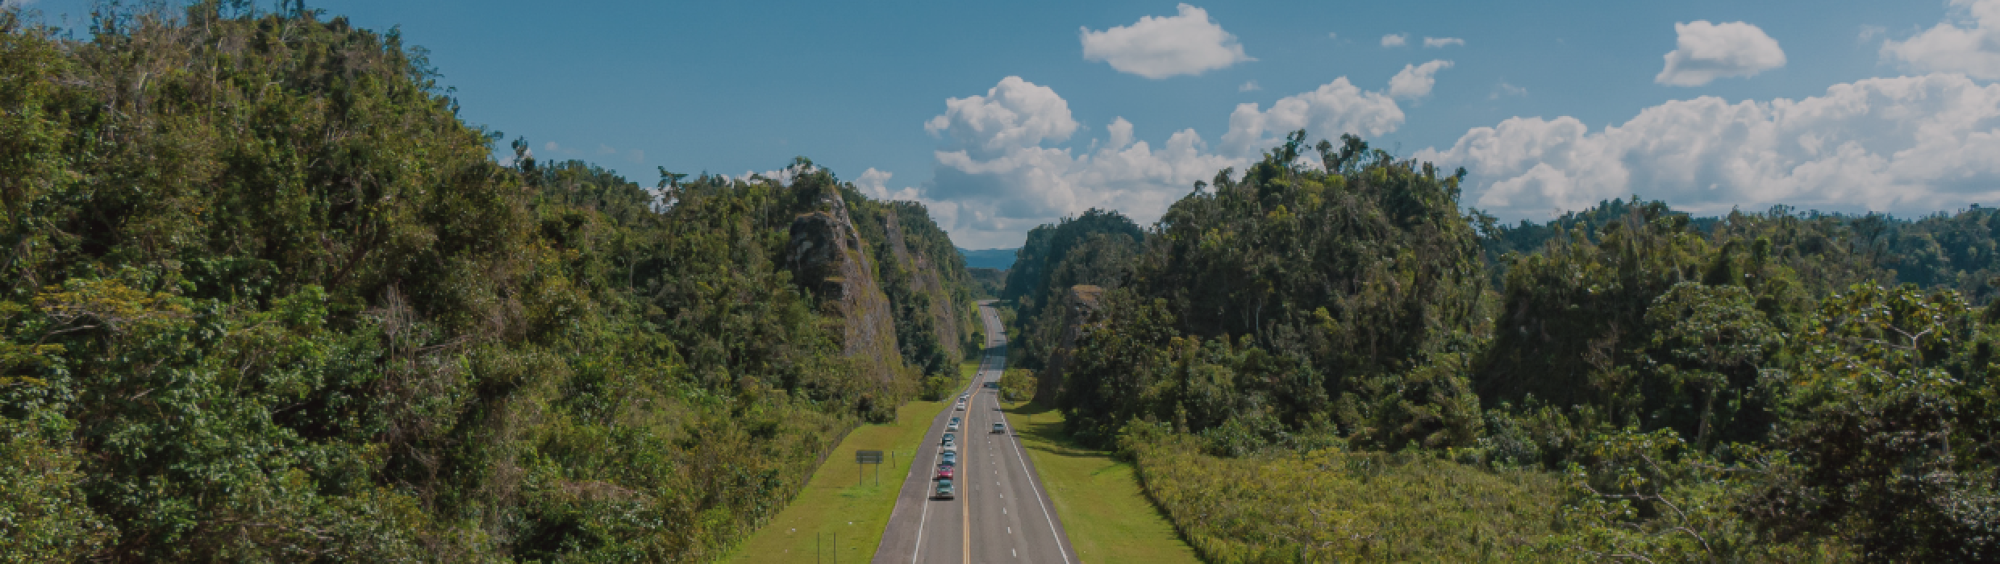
(941, 485)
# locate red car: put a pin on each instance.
(944, 471)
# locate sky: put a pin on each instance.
(1004, 116)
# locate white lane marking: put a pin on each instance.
(926, 516)
(1039, 494)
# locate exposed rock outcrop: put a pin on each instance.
(925, 278)
(828, 258)
(1082, 302)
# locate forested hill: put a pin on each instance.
(1635, 383)
(267, 297)
(1958, 250)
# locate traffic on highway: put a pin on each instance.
(974, 496)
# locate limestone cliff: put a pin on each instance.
(828, 257)
(927, 279)
(1076, 311)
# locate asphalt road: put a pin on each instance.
(1001, 513)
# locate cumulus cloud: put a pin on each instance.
(990, 202)
(1164, 46)
(1326, 112)
(875, 183)
(1705, 51)
(1505, 89)
(1905, 144)
(1014, 113)
(1970, 45)
(1395, 40)
(1442, 42)
(1249, 87)
(1000, 171)
(1415, 81)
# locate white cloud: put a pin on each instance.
(1505, 89)
(1706, 51)
(1870, 32)
(998, 174)
(1249, 87)
(1332, 35)
(1415, 81)
(875, 183)
(1334, 108)
(1970, 45)
(1442, 42)
(1164, 46)
(552, 147)
(1395, 40)
(1015, 113)
(991, 202)
(1905, 144)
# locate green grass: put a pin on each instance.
(1332, 506)
(1097, 497)
(833, 507)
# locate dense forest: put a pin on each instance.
(267, 297)
(1628, 382)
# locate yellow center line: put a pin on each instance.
(965, 516)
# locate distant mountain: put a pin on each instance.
(997, 259)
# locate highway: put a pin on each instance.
(1001, 513)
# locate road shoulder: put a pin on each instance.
(832, 508)
(1105, 514)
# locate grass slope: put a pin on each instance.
(1331, 506)
(1098, 497)
(833, 507)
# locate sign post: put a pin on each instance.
(868, 457)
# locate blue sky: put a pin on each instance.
(1005, 116)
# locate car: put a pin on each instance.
(950, 457)
(949, 439)
(951, 427)
(954, 419)
(999, 427)
(961, 406)
(944, 489)
(944, 471)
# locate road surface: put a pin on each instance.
(1001, 513)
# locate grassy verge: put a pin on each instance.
(1331, 506)
(1097, 497)
(833, 508)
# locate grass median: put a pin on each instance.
(833, 508)
(1098, 498)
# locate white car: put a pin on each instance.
(952, 427)
(961, 406)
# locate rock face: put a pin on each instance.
(1077, 309)
(828, 258)
(925, 278)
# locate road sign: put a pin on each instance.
(867, 457)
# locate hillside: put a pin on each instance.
(269, 298)
(1781, 386)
